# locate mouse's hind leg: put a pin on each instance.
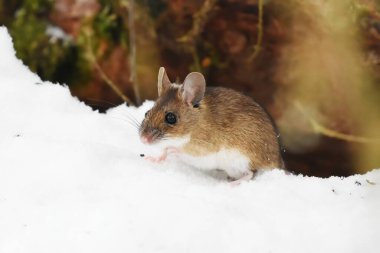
(236, 165)
(246, 177)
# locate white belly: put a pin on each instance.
(231, 161)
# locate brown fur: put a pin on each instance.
(225, 119)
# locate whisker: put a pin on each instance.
(130, 116)
(133, 124)
(134, 119)
(156, 135)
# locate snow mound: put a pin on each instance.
(72, 180)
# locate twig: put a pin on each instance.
(132, 48)
(126, 9)
(318, 128)
(105, 78)
(259, 40)
(200, 20)
(190, 38)
(197, 64)
(111, 84)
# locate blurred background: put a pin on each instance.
(314, 65)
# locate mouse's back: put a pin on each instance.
(231, 119)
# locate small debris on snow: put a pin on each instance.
(370, 182)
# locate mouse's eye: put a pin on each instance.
(146, 114)
(170, 118)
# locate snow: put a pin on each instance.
(56, 33)
(72, 180)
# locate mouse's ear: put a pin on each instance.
(194, 88)
(163, 81)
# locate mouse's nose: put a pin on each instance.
(144, 140)
(149, 136)
(147, 139)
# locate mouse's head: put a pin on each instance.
(177, 109)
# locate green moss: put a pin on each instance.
(108, 25)
(43, 54)
(34, 46)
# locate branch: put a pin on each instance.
(132, 47)
(91, 57)
(200, 20)
(190, 38)
(257, 47)
(127, 12)
(318, 128)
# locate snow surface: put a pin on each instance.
(72, 180)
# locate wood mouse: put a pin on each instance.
(211, 128)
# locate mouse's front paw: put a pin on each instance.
(158, 159)
(162, 158)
